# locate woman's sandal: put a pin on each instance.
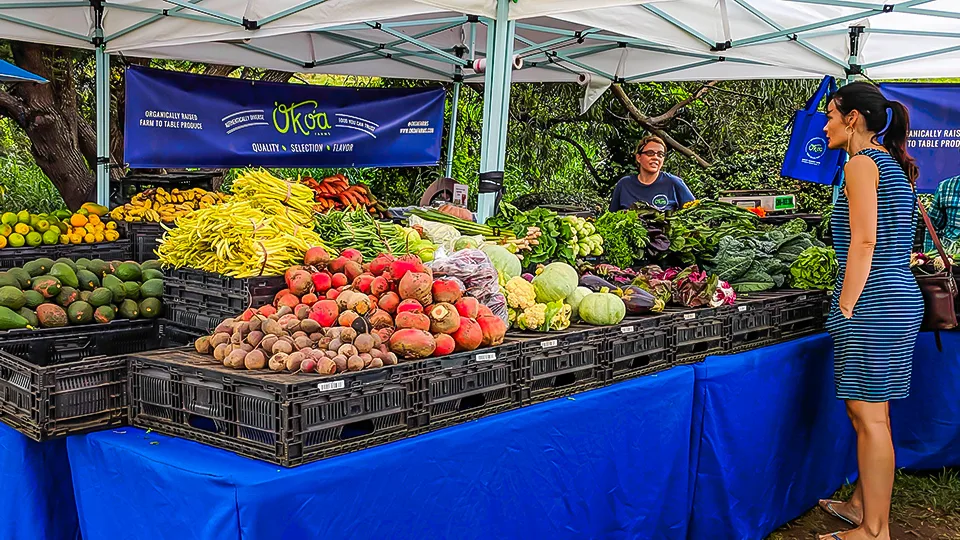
(827, 506)
(833, 536)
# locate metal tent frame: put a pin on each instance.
(516, 40)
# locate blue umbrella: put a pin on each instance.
(12, 73)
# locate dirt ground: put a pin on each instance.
(925, 506)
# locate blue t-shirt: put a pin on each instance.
(667, 192)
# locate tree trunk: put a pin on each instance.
(48, 113)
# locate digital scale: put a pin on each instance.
(770, 200)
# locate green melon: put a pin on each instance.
(48, 286)
(51, 316)
(104, 314)
(80, 312)
(100, 297)
(12, 297)
(129, 309)
(33, 298)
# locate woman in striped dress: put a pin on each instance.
(877, 307)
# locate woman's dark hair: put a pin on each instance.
(872, 105)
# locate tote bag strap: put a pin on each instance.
(935, 238)
(828, 84)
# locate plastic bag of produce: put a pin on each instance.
(438, 233)
(474, 269)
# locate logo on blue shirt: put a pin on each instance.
(660, 201)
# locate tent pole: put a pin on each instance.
(452, 132)
(496, 106)
(103, 125)
(852, 71)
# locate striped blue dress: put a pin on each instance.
(874, 348)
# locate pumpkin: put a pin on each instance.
(602, 309)
(574, 301)
(457, 211)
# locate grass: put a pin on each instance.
(926, 505)
(23, 186)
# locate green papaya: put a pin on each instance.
(67, 296)
(152, 288)
(116, 287)
(22, 276)
(149, 274)
(85, 296)
(150, 308)
(97, 267)
(68, 262)
(80, 312)
(152, 264)
(38, 267)
(82, 262)
(9, 280)
(30, 316)
(65, 274)
(12, 297)
(48, 286)
(88, 280)
(104, 314)
(129, 309)
(131, 290)
(128, 271)
(10, 319)
(100, 297)
(33, 298)
(51, 316)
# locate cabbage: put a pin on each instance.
(574, 301)
(505, 262)
(556, 282)
(602, 309)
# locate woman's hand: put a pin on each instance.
(846, 310)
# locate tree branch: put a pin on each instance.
(219, 70)
(12, 108)
(662, 119)
(583, 153)
(275, 75)
(645, 122)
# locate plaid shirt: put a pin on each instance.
(945, 213)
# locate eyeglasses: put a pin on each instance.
(653, 153)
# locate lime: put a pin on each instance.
(34, 239)
(9, 218)
(51, 237)
(23, 217)
(16, 240)
(42, 226)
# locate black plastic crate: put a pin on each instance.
(753, 323)
(215, 295)
(284, 418)
(699, 333)
(51, 346)
(118, 250)
(172, 334)
(465, 386)
(190, 319)
(144, 239)
(558, 364)
(801, 313)
(50, 402)
(637, 346)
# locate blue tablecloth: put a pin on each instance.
(771, 438)
(611, 463)
(36, 492)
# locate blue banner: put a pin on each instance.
(183, 120)
(934, 128)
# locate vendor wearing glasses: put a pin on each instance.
(659, 189)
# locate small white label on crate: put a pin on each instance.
(802, 298)
(689, 316)
(486, 357)
(741, 309)
(549, 344)
(628, 329)
(333, 385)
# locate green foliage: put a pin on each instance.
(22, 184)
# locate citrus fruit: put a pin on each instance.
(16, 240)
(51, 237)
(23, 216)
(21, 228)
(6, 230)
(34, 238)
(42, 226)
(9, 218)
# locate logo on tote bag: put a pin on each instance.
(815, 149)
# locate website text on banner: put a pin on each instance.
(934, 129)
(184, 120)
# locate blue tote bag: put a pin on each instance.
(808, 157)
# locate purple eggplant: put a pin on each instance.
(595, 283)
(637, 300)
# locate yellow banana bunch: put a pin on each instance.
(238, 239)
(158, 204)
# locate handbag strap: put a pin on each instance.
(828, 84)
(935, 238)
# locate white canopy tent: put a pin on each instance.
(517, 40)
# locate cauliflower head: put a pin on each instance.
(520, 293)
(532, 317)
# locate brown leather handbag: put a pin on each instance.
(939, 290)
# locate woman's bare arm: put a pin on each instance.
(862, 178)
